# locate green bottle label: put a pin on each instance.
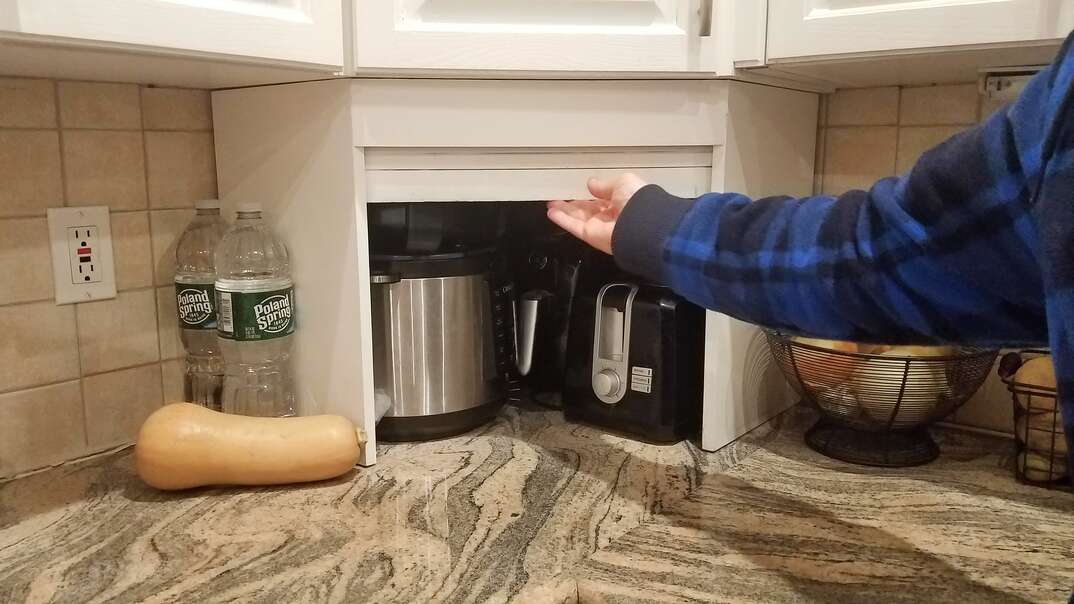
(245, 316)
(195, 304)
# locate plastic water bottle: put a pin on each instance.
(255, 317)
(195, 305)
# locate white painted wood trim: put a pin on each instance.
(771, 135)
(749, 31)
(391, 35)
(290, 148)
(310, 33)
(522, 158)
(802, 30)
(551, 113)
(518, 185)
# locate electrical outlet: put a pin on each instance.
(83, 253)
(82, 263)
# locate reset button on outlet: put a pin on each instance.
(82, 263)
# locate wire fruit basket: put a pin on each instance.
(876, 403)
(1040, 443)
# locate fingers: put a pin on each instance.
(581, 208)
(626, 186)
(601, 189)
(560, 215)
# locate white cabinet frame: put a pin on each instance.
(414, 35)
(808, 29)
(317, 154)
(284, 32)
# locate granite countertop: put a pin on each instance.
(533, 509)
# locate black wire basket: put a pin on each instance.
(1040, 444)
(876, 406)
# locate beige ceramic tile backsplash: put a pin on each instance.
(77, 379)
(935, 105)
(24, 260)
(27, 103)
(855, 156)
(104, 167)
(870, 133)
(863, 107)
(181, 166)
(40, 345)
(118, 402)
(118, 333)
(132, 248)
(172, 372)
(166, 226)
(30, 172)
(41, 426)
(176, 109)
(100, 105)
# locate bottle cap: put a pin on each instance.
(248, 206)
(207, 204)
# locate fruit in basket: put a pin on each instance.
(879, 382)
(1037, 373)
(1041, 468)
(821, 369)
(1042, 432)
(840, 401)
(920, 351)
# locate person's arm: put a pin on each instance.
(948, 252)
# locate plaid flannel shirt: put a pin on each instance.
(975, 245)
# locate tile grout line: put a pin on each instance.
(152, 253)
(88, 375)
(74, 309)
(99, 129)
(126, 290)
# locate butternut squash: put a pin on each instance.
(181, 446)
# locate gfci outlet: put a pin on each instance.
(82, 265)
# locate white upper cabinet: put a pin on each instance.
(307, 33)
(804, 29)
(535, 35)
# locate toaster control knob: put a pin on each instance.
(606, 383)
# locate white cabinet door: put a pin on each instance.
(528, 35)
(307, 32)
(800, 29)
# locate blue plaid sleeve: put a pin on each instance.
(947, 252)
(974, 245)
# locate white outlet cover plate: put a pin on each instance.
(65, 260)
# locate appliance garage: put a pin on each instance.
(434, 289)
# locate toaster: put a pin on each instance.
(636, 362)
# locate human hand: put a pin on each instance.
(593, 220)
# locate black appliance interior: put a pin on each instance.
(546, 284)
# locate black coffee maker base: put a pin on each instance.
(431, 427)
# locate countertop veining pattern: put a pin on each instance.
(789, 525)
(482, 517)
(532, 509)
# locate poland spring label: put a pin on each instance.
(246, 316)
(195, 304)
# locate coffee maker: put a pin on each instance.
(548, 269)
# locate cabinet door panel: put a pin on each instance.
(799, 29)
(287, 31)
(555, 35)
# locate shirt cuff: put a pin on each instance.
(642, 230)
